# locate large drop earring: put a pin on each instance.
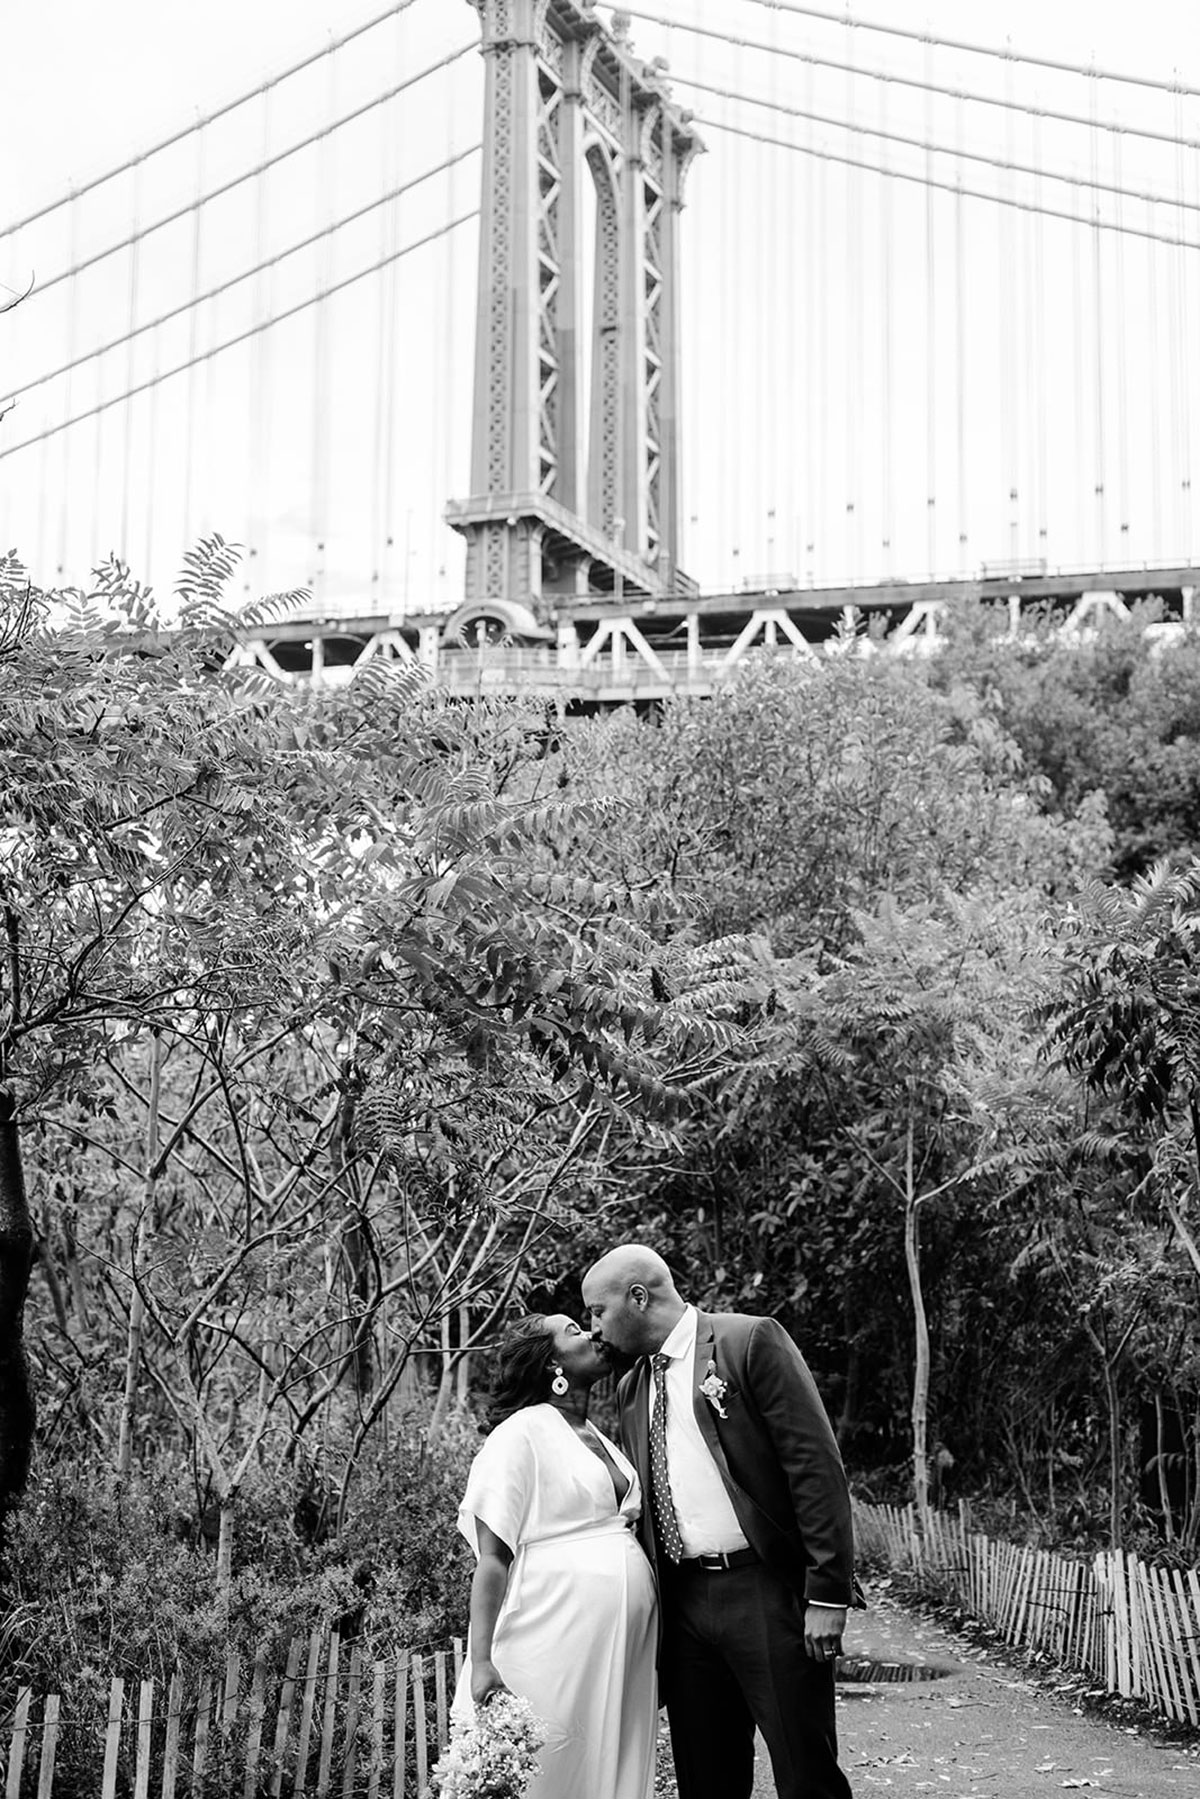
(560, 1384)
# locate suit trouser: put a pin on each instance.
(732, 1658)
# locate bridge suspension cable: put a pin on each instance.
(241, 337)
(895, 77)
(211, 118)
(927, 145)
(249, 274)
(251, 174)
(885, 28)
(950, 187)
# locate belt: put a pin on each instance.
(717, 1562)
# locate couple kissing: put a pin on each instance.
(704, 1561)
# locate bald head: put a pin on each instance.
(632, 1299)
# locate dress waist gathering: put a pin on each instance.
(616, 1526)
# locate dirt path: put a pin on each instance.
(982, 1731)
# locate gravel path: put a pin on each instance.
(982, 1730)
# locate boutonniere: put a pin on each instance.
(713, 1389)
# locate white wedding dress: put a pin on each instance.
(576, 1632)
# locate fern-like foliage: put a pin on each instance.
(1128, 1015)
(208, 568)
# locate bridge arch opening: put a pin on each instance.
(601, 237)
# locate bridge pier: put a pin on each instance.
(574, 492)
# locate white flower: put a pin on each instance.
(713, 1389)
(494, 1756)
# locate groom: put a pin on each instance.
(748, 1523)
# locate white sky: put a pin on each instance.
(826, 399)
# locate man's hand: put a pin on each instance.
(823, 1627)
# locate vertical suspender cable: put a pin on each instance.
(761, 460)
(886, 316)
(1027, 448)
(383, 364)
(719, 336)
(149, 494)
(960, 350)
(97, 540)
(1122, 371)
(727, 332)
(1186, 535)
(1154, 379)
(211, 495)
(189, 453)
(1080, 458)
(1101, 548)
(127, 414)
(1175, 364)
(449, 410)
(390, 224)
(736, 326)
(439, 350)
(322, 387)
(930, 333)
(258, 483)
(41, 557)
(41, 551)
(1039, 327)
(1008, 358)
(779, 349)
(851, 225)
(807, 417)
(72, 348)
(152, 511)
(820, 529)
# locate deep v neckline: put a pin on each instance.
(601, 1454)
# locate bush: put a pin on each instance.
(102, 1579)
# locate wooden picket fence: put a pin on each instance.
(1134, 1628)
(329, 1725)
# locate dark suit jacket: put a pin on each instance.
(774, 1449)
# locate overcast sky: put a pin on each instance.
(852, 349)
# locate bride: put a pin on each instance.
(563, 1608)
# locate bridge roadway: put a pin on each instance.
(604, 650)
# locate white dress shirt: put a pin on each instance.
(707, 1521)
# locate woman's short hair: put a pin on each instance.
(522, 1368)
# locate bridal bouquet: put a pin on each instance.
(494, 1756)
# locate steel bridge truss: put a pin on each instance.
(596, 652)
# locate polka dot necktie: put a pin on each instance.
(665, 1522)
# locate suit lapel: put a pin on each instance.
(706, 1418)
(639, 1423)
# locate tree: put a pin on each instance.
(1125, 1021)
(904, 1040)
(1111, 711)
(810, 803)
(325, 946)
(122, 771)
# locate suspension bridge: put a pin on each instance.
(550, 343)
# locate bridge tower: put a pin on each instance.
(575, 445)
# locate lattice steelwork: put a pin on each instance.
(574, 465)
(652, 258)
(549, 278)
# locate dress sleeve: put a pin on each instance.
(501, 1486)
